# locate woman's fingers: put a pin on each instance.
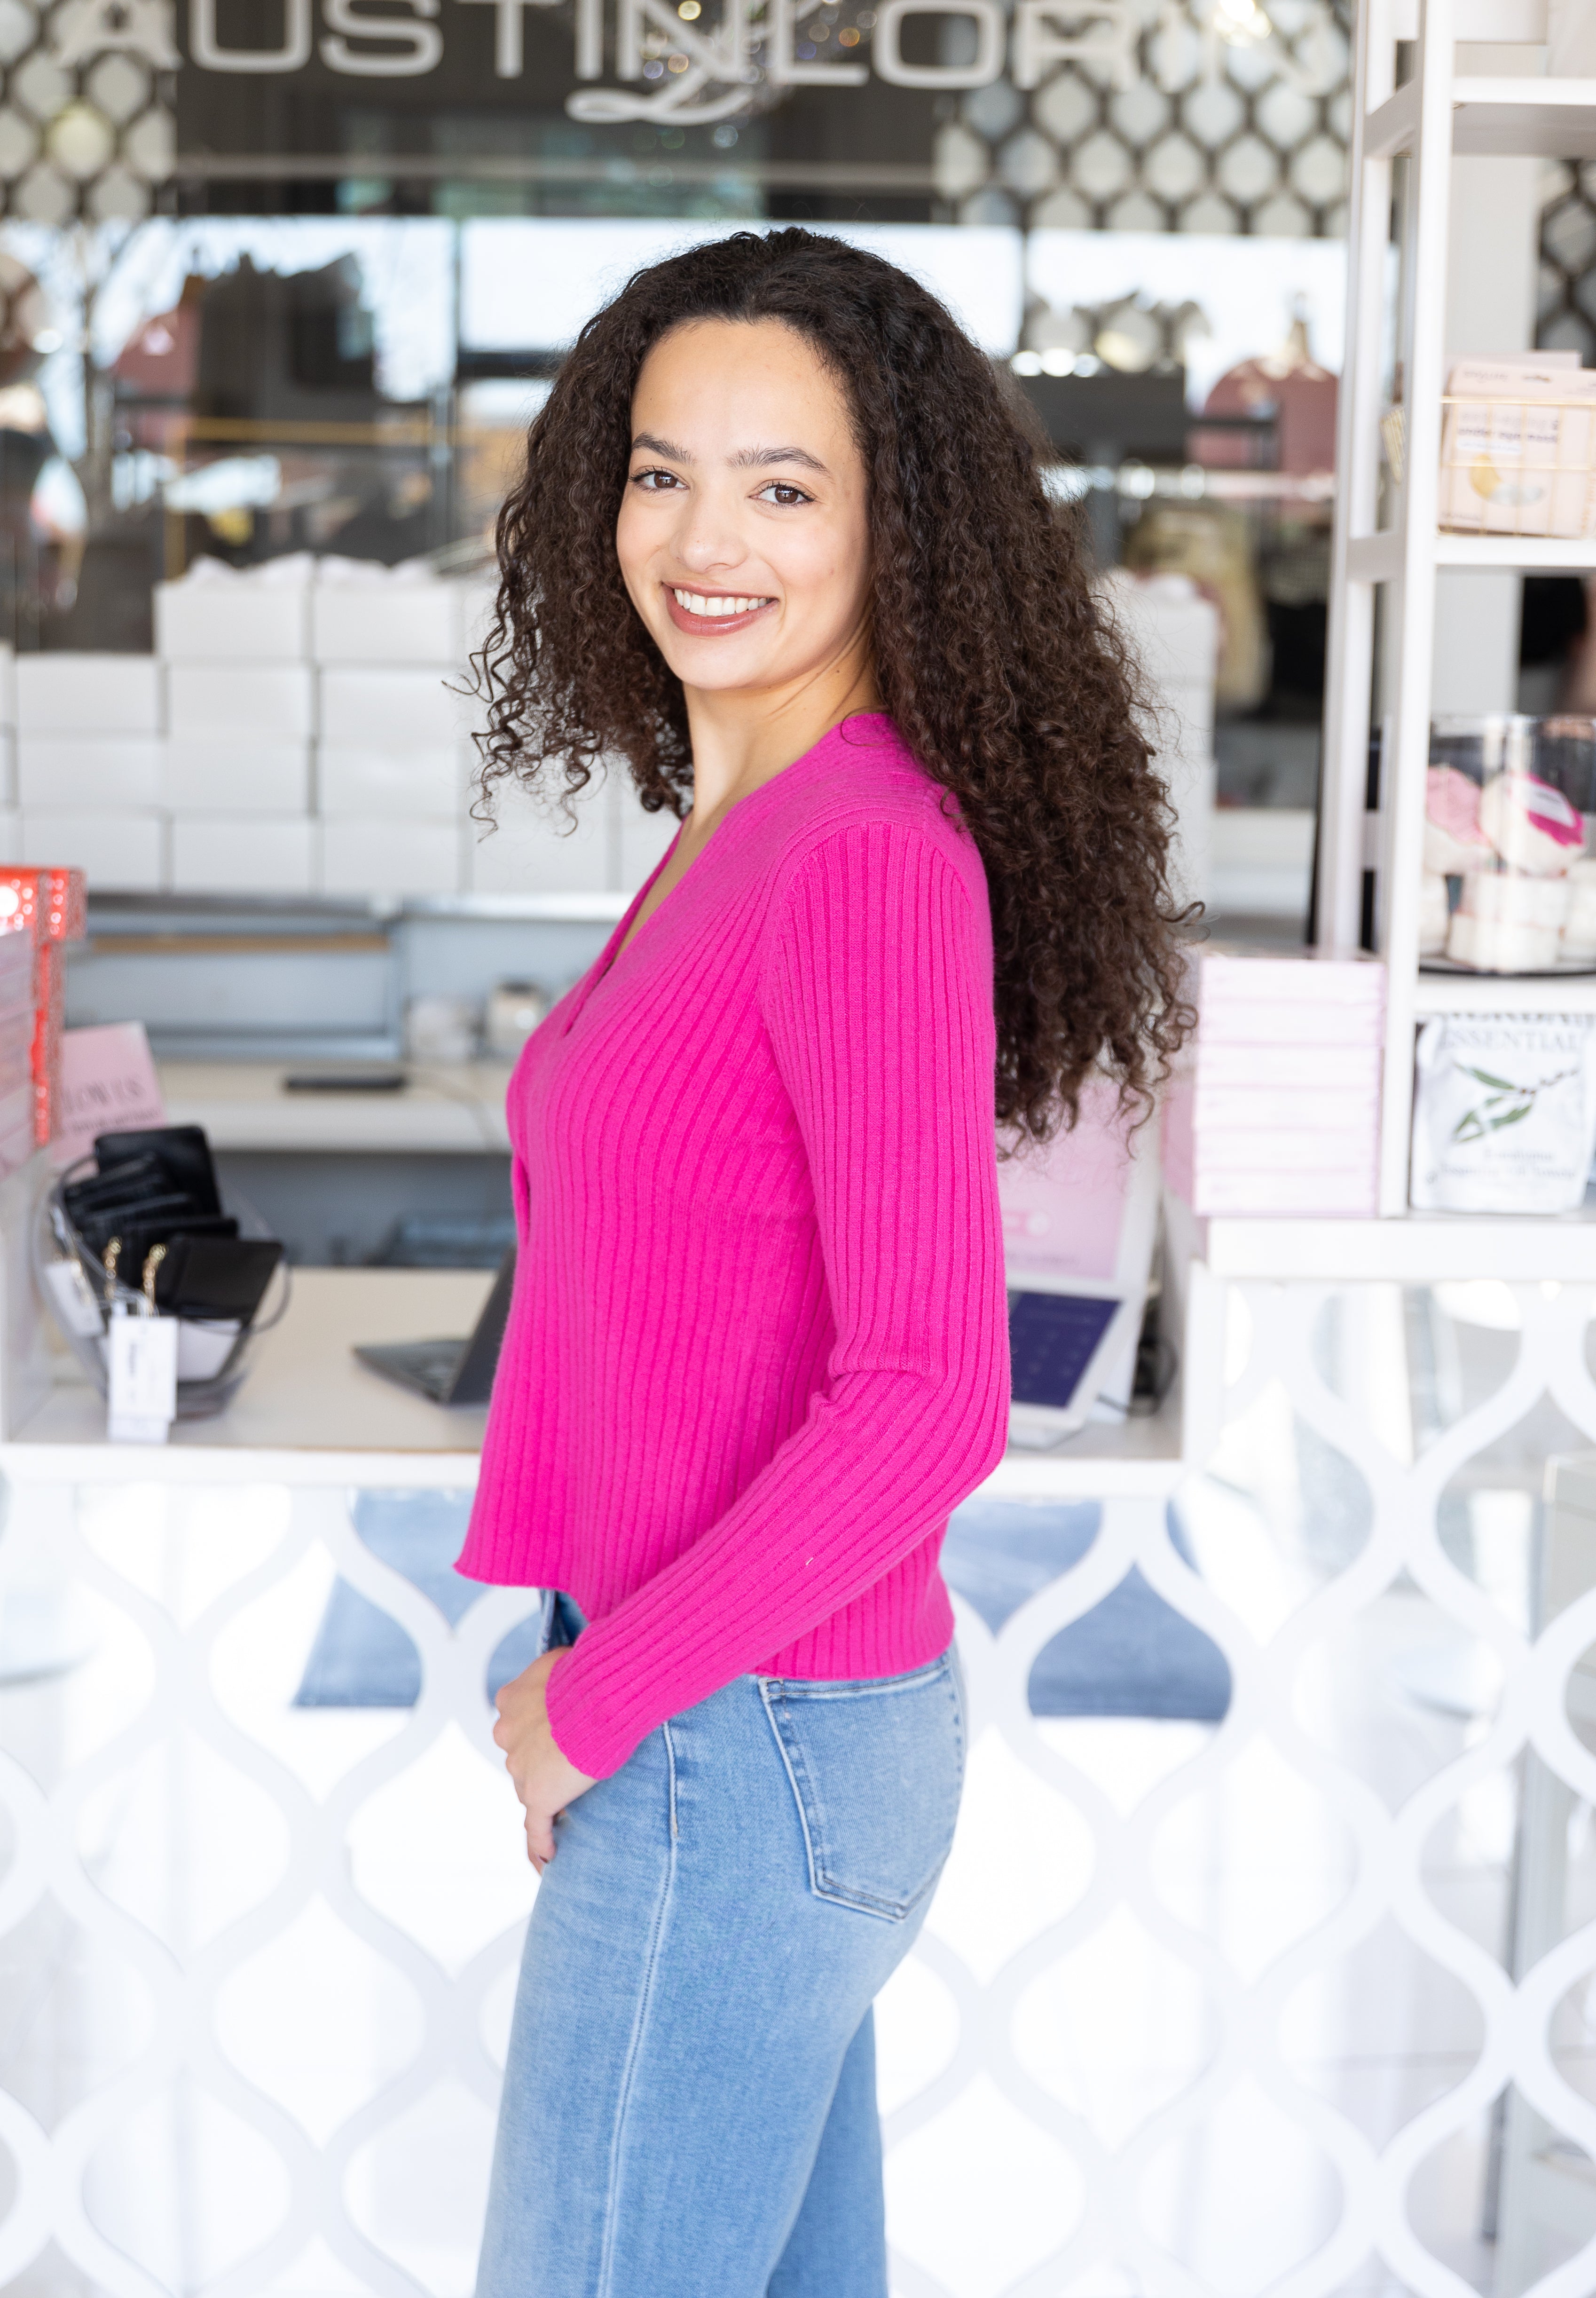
(539, 1838)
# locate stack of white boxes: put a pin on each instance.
(394, 757)
(1276, 1109)
(90, 767)
(300, 729)
(1172, 632)
(240, 722)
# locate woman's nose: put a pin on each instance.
(707, 537)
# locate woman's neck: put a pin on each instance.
(741, 739)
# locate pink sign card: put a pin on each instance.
(1063, 1206)
(108, 1085)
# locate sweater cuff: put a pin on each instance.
(584, 1735)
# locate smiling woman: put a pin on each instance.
(987, 646)
(781, 545)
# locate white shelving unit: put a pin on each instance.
(1434, 112)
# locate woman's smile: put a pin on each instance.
(712, 613)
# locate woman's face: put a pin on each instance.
(744, 534)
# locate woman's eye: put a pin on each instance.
(780, 491)
(654, 483)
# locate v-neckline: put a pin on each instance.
(621, 941)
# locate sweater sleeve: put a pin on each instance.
(876, 997)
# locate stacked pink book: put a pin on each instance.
(17, 1022)
(1276, 1106)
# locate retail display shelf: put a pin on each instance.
(244, 1106)
(1525, 554)
(1377, 558)
(1405, 1249)
(1544, 118)
(1505, 993)
(1497, 117)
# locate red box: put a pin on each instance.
(48, 1021)
(52, 905)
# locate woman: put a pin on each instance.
(782, 545)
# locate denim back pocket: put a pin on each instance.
(876, 1769)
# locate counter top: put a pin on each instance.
(243, 1106)
(309, 1413)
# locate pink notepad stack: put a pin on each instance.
(1276, 1108)
(17, 1024)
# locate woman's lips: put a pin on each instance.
(716, 625)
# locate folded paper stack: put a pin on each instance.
(42, 910)
(1276, 1107)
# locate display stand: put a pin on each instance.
(1386, 537)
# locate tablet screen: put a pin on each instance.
(1052, 1337)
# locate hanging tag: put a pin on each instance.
(143, 1353)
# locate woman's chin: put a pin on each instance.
(722, 665)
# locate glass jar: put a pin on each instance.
(1509, 875)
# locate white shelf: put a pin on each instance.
(1501, 118)
(1546, 119)
(1377, 558)
(1407, 1249)
(1513, 553)
(1497, 992)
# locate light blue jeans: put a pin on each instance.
(689, 2102)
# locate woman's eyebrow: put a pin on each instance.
(756, 458)
(646, 444)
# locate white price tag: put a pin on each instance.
(143, 1363)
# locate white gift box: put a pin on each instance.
(374, 857)
(363, 615)
(385, 706)
(233, 773)
(105, 770)
(377, 782)
(88, 694)
(11, 838)
(8, 683)
(243, 854)
(124, 853)
(267, 702)
(231, 617)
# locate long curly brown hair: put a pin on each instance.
(990, 652)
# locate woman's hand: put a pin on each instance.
(544, 1781)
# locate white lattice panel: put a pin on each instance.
(256, 1960)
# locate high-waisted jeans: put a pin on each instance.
(689, 2102)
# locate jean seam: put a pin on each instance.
(876, 1687)
(605, 2288)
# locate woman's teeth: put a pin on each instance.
(692, 602)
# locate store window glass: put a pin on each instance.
(284, 281)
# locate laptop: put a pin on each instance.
(451, 1372)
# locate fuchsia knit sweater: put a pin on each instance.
(758, 1350)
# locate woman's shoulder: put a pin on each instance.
(863, 777)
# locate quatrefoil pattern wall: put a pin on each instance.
(1199, 2010)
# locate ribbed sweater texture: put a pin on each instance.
(758, 1346)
